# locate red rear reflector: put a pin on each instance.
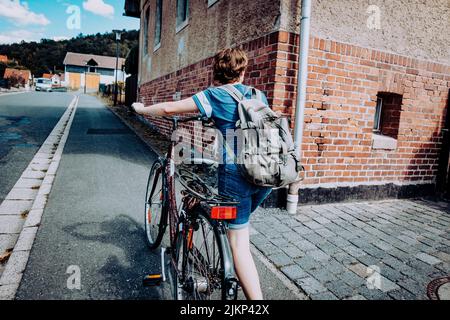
(223, 213)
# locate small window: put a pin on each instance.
(377, 121)
(146, 24)
(211, 2)
(158, 24)
(182, 14)
(387, 114)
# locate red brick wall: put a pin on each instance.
(343, 84)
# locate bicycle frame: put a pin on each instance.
(171, 216)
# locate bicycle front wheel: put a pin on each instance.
(155, 210)
(199, 262)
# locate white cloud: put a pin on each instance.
(16, 36)
(60, 38)
(20, 13)
(99, 7)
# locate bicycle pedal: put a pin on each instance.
(152, 280)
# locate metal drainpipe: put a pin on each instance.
(302, 76)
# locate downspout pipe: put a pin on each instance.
(302, 77)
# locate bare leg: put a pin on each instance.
(244, 264)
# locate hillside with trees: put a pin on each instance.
(48, 55)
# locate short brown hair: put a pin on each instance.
(229, 65)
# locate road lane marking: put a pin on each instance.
(18, 206)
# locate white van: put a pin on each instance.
(43, 84)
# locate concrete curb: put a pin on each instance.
(48, 163)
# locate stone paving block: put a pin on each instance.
(294, 272)
(11, 224)
(325, 233)
(441, 256)
(356, 297)
(28, 183)
(30, 174)
(401, 294)
(302, 230)
(26, 239)
(281, 259)
(412, 286)
(315, 238)
(15, 267)
(327, 295)
(15, 207)
(427, 258)
(359, 269)
(293, 251)
(7, 241)
(373, 294)
(34, 218)
(307, 263)
(318, 255)
(39, 203)
(49, 178)
(354, 251)
(310, 285)
(321, 220)
(292, 236)
(305, 245)
(352, 279)
(324, 275)
(328, 248)
(268, 249)
(340, 289)
(22, 194)
(8, 292)
(313, 225)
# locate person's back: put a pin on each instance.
(214, 102)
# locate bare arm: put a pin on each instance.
(167, 108)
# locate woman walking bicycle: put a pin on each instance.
(216, 103)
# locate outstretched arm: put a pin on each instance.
(167, 108)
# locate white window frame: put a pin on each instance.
(212, 2)
(184, 23)
(379, 110)
(158, 45)
(146, 27)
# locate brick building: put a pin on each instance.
(377, 90)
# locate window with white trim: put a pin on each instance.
(182, 14)
(158, 24)
(387, 114)
(146, 26)
(211, 2)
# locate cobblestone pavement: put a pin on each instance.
(387, 249)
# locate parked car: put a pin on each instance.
(43, 84)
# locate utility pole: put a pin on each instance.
(118, 37)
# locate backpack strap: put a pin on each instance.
(233, 92)
(238, 96)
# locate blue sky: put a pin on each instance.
(33, 20)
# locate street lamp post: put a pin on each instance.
(118, 37)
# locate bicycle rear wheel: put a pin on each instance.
(155, 210)
(199, 260)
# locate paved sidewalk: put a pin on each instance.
(367, 250)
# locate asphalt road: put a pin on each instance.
(93, 220)
(25, 122)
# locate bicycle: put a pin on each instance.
(201, 263)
